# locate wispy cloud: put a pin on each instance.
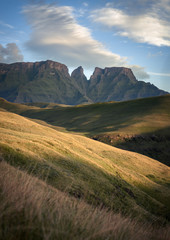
(6, 25)
(10, 53)
(85, 4)
(139, 72)
(157, 54)
(56, 35)
(140, 7)
(147, 27)
(160, 74)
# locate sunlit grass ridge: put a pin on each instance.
(100, 174)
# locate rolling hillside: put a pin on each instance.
(142, 116)
(119, 180)
(141, 125)
(32, 209)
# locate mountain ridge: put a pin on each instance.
(49, 81)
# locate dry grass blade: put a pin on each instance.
(31, 209)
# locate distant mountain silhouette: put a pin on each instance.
(49, 81)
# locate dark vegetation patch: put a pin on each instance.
(154, 146)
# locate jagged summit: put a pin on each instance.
(80, 78)
(97, 71)
(78, 72)
(49, 81)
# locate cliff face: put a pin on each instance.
(49, 81)
(46, 81)
(110, 84)
(118, 84)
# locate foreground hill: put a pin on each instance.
(140, 125)
(49, 81)
(122, 181)
(32, 209)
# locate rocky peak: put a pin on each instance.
(100, 73)
(120, 70)
(97, 72)
(80, 79)
(78, 73)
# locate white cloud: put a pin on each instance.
(160, 74)
(56, 35)
(10, 53)
(144, 28)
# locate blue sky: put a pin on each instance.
(130, 33)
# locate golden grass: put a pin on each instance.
(95, 171)
(30, 209)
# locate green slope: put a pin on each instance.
(141, 125)
(140, 116)
(98, 173)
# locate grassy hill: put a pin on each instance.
(69, 186)
(142, 116)
(32, 209)
(100, 174)
(141, 125)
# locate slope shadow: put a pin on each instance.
(155, 145)
(98, 118)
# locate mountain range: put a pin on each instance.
(49, 81)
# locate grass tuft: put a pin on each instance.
(31, 209)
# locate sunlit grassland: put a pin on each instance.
(99, 174)
(115, 123)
